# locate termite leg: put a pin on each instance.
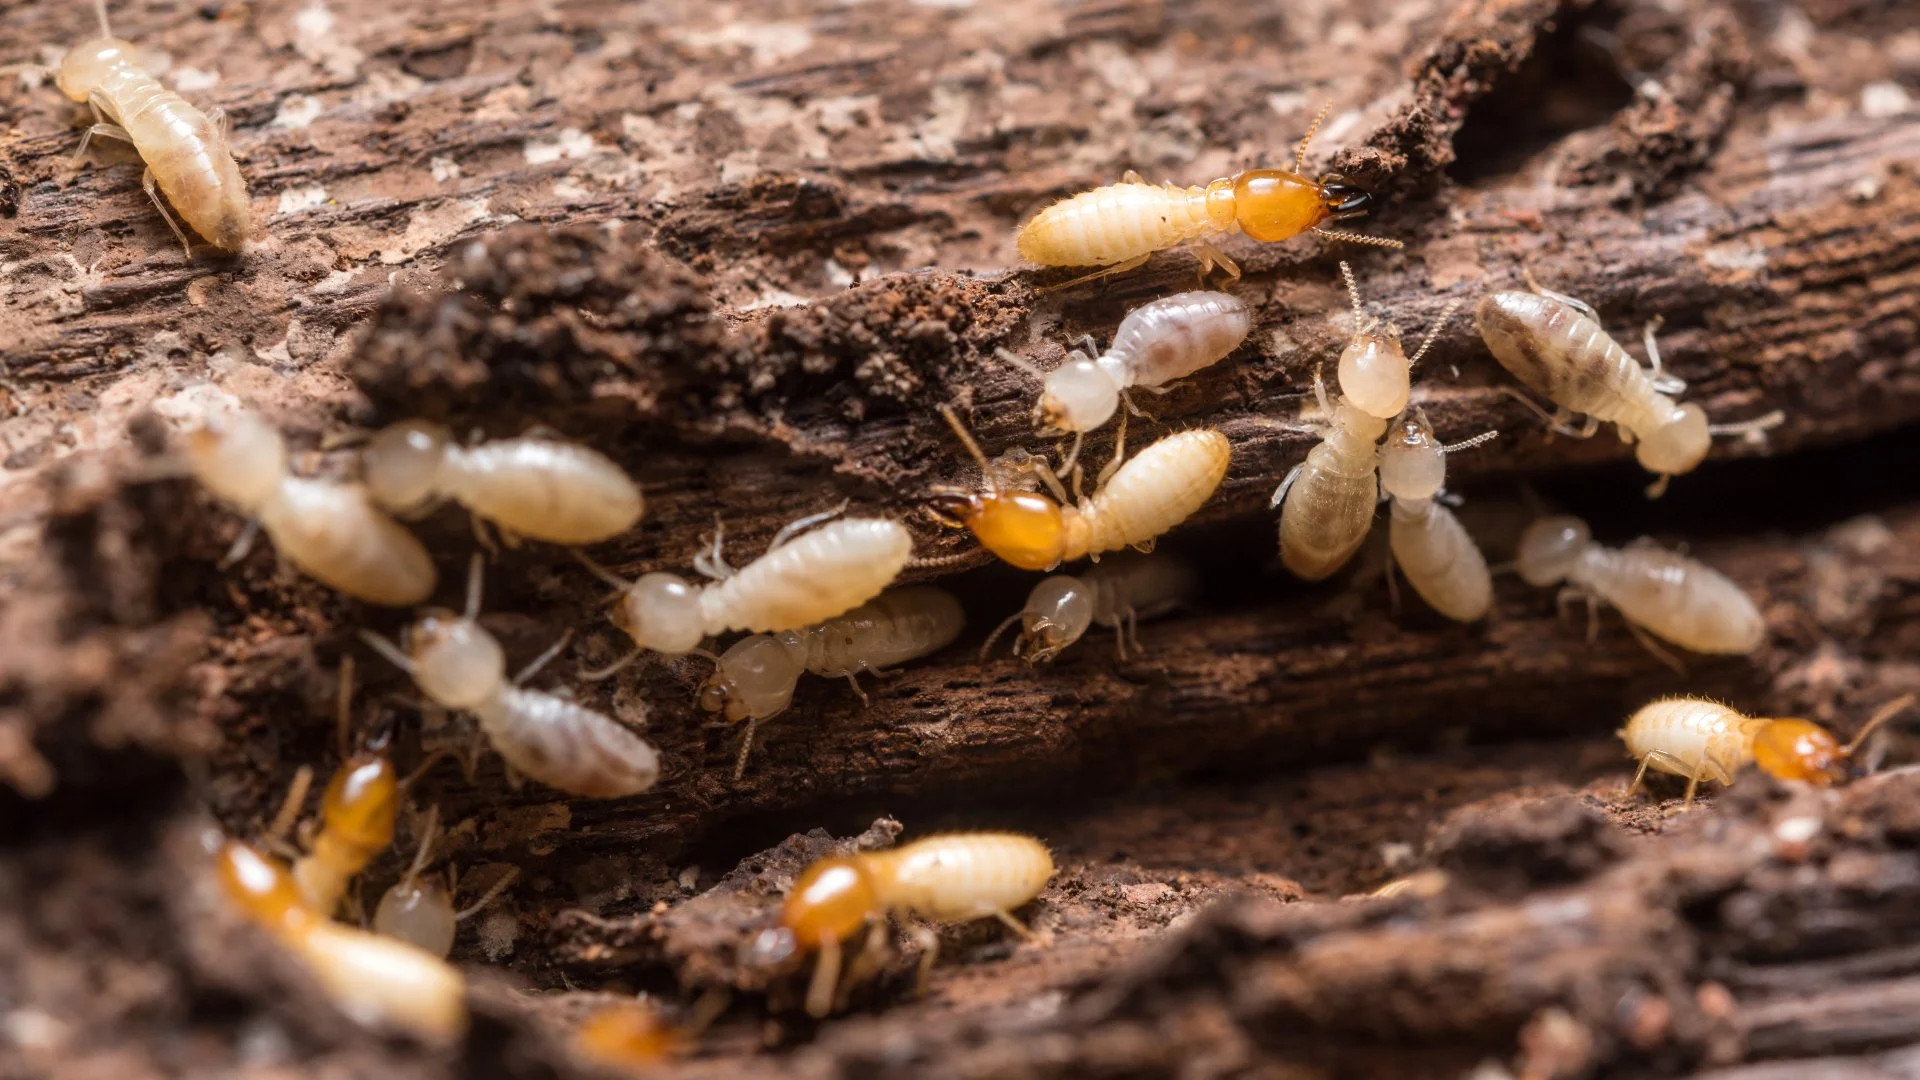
(1211, 257)
(1068, 463)
(1393, 586)
(152, 187)
(1127, 398)
(854, 681)
(1659, 485)
(283, 819)
(1133, 629)
(1132, 176)
(1012, 923)
(1662, 381)
(222, 124)
(1280, 493)
(1320, 391)
(483, 536)
(104, 131)
(826, 975)
(1581, 306)
(1556, 421)
(1639, 777)
(1693, 781)
(929, 942)
(241, 545)
(1050, 478)
(544, 658)
(1086, 344)
(794, 528)
(1119, 454)
(476, 584)
(1646, 642)
(712, 563)
(608, 672)
(1116, 268)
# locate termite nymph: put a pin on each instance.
(1327, 502)
(1117, 594)
(186, 152)
(1705, 740)
(1429, 544)
(756, 676)
(373, 979)
(1554, 344)
(458, 665)
(1669, 595)
(1134, 504)
(545, 489)
(957, 877)
(418, 909)
(332, 531)
(1121, 225)
(801, 580)
(1375, 374)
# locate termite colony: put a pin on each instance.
(821, 600)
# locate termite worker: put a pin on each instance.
(1117, 594)
(1121, 225)
(801, 580)
(1133, 505)
(1375, 374)
(1669, 595)
(1429, 544)
(554, 740)
(545, 489)
(756, 676)
(1327, 501)
(373, 979)
(957, 877)
(419, 910)
(1554, 344)
(332, 531)
(186, 152)
(1705, 740)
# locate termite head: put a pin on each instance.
(1374, 374)
(401, 464)
(419, 911)
(753, 681)
(1800, 750)
(1023, 528)
(832, 900)
(1413, 465)
(362, 801)
(1549, 549)
(262, 889)
(661, 612)
(455, 662)
(239, 457)
(1057, 614)
(87, 64)
(1274, 204)
(1678, 444)
(1343, 199)
(1079, 396)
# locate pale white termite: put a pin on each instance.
(1429, 544)
(801, 580)
(1157, 344)
(1327, 501)
(1674, 597)
(334, 532)
(1375, 374)
(957, 877)
(1705, 740)
(1134, 504)
(756, 676)
(188, 159)
(1117, 593)
(559, 742)
(1554, 344)
(547, 489)
(418, 909)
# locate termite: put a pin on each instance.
(546, 489)
(1120, 226)
(1429, 544)
(801, 580)
(1117, 593)
(1661, 592)
(756, 676)
(373, 979)
(334, 532)
(1375, 373)
(1705, 740)
(1327, 501)
(559, 742)
(636, 1035)
(357, 816)
(957, 877)
(186, 152)
(1150, 493)
(419, 909)
(1554, 344)
(1157, 344)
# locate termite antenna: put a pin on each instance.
(602, 572)
(1750, 428)
(1359, 238)
(493, 893)
(429, 832)
(1885, 713)
(1300, 155)
(476, 579)
(973, 448)
(343, 707)
(935, 562)
(1477, 440)
(387, 649)
(1353, 291)
(100, 9)
(1016, 362)
(1440, 324)
(997, 631)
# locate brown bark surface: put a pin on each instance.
(746, 249)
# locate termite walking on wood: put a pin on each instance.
(418, 909)
(1554, 344)
(957, 877)
(1669, 595)
(804, 578)
(1156, 345)
(1117, 593)
(1136, 501)
(1429, 544)
(546, 489)
(332, 531)
(1375, 374)
(372, 978)
(1327, 501)
(563, 744)
(1705, 740)
(1121, 225)
(185, 150)
(756, 676)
